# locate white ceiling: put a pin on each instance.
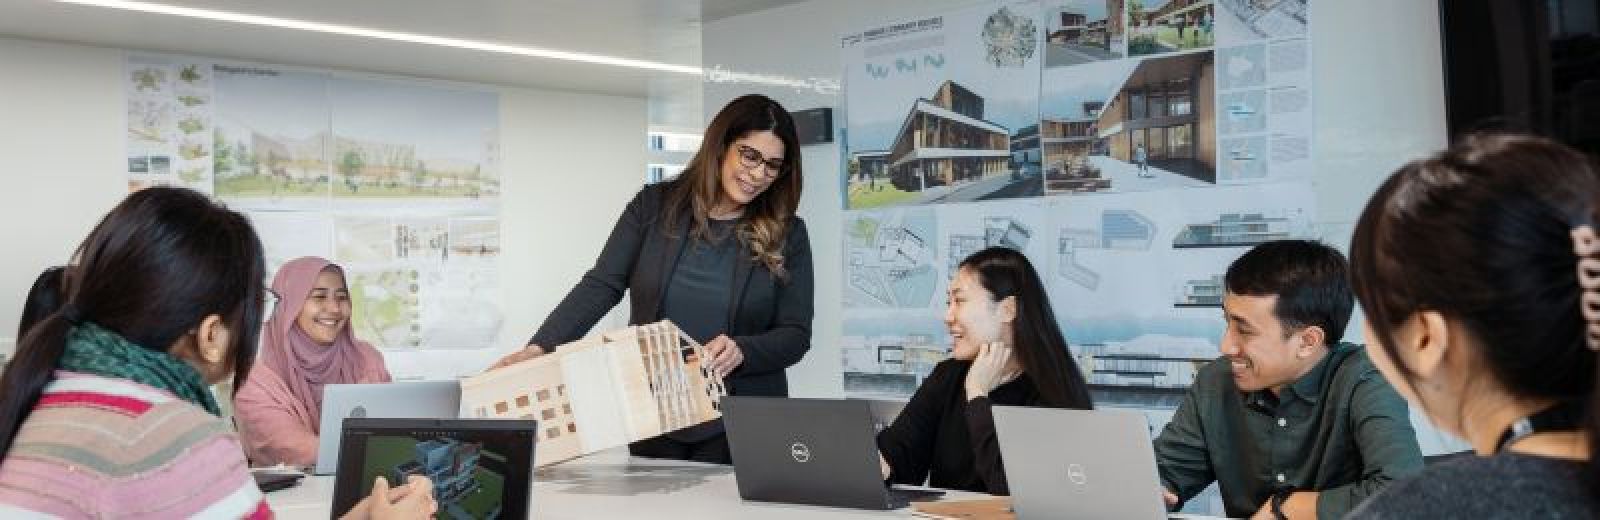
(657, 30)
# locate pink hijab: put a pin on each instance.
(283, 396)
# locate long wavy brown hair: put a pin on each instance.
(765, 225)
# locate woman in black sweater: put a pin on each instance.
(1007, 350)
(721, 253)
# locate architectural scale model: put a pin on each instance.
(602, 392)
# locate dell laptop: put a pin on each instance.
(809, 451)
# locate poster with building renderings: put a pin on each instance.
(397, 180)
(942, 108)
(1164, 138)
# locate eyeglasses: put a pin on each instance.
(751, 158)
(269, 304)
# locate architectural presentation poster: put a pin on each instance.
(944, 108)
(1081, 31)
(169, 121)
(1168, 138)
(397, 181)
(1264, 89)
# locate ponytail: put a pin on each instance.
(38, 353)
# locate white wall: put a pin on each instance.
(570, 162)
(61, 132)
(1379, 102)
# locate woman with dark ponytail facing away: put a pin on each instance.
(1479, 271)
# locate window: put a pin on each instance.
(522, 401)
(659, 172)
(544, 395)
(1136, 102)
(501, 407)
(1179, 142)
(1179, 105)
(548, 414)
(1179, 99)
(552, 433)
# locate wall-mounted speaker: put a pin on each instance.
(815, 125)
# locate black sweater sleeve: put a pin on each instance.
(602, 287)
(986, 446)
(787, 341)
(908, 443)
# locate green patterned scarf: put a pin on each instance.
(91, 349)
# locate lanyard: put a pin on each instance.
(1563, 417)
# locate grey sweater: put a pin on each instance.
(1502, 486)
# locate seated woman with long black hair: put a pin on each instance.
(1007, 350)
(105, 412)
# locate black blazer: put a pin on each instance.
(770, 319)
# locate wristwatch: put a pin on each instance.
(1277, 503)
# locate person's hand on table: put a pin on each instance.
(1170, 499)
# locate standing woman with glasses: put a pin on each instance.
(721, 253)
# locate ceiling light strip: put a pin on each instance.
(289, 23)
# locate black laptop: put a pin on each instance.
(480, 468)
(810, 451)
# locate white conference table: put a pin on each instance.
(610, 484)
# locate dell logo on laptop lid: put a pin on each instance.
(359, 412)
(800, 452)
(1076, 475)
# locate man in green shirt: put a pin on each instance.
(1289, 422)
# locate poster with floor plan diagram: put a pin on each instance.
(396, 180)
(891, 259)
(1170, 136)
(1264, 89)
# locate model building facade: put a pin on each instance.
(602, 392)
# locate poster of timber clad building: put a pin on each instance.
(943, 109)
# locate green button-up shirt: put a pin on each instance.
(1340, 430)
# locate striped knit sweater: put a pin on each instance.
(112, 448)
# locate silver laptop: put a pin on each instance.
(1078, 463)
(408, 400)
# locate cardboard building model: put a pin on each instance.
(602, 392)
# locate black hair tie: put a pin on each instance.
(72, 314)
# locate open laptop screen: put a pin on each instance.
(480, 468)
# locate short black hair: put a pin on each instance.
(1310, 279)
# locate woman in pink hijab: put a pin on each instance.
(306, 344)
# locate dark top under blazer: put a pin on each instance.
(944, 439)
(769, 318)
